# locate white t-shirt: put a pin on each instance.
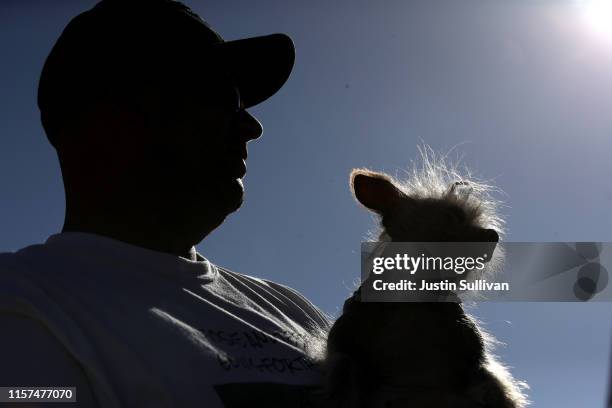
(132, 327)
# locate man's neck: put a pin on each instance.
(146, 235)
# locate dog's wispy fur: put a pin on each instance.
(432, 177)
(421, 354)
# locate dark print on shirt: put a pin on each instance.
(255, 338)
(276, 365)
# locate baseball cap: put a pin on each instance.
(119, 47)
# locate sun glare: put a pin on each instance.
(599, 15)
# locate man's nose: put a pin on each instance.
(248, 127)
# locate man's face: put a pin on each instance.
(199, 151)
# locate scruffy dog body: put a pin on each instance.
(419, 355)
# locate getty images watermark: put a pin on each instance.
(509, 271)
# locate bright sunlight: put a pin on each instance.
(598, 14)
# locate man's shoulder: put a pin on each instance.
(253, 280)
(19, 259)
(289, 300)
(9, 260)
(23, 287)
(12, 264)
(263, 284)
(21, 264)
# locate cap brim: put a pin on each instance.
(259, 65)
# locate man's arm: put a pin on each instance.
(31, 357)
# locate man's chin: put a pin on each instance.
(231, 195)
(220, 198)
(220, 201)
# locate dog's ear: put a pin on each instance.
(375, 191)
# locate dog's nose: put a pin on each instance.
(491, 235)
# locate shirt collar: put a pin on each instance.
(98, 246)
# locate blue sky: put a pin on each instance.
(525, 88)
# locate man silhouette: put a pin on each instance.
(145, 106)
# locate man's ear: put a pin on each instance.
(375, 191)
